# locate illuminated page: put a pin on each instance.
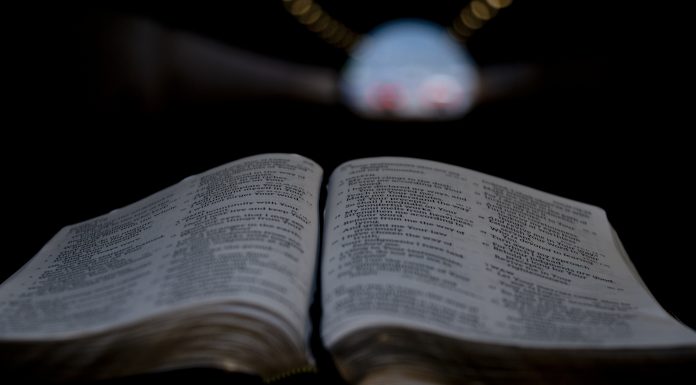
(424, 245)
(245, 232)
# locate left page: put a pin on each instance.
(245, 232)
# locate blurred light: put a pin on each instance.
(317, 20)
(410, 69)
(499, 4)
(321, 24)
(329, 30)
(481, 10)
(338, 35)
(300, 7)
(469, 20)
(350, 40)
(311, 16)
(440, 91)
(386, 96)
(461, 29)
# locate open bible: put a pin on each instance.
(428, 273)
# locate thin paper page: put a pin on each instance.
(246, 231)
(435, 247)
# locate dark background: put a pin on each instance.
(603, 126)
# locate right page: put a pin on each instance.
(439, 248)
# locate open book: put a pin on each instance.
(429, 273)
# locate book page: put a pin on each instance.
(245, 232)
(424, 245)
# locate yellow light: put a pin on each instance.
(481, 10)
(300, 7)
(329, 30)
(460, 28)
(347, 40)
(499, 4)
(311, 16)
(469, 20)
(338, 35)
(320, 24)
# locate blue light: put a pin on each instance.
(410, 69)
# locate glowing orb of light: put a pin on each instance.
(410, 69)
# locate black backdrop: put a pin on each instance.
(602, 127)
